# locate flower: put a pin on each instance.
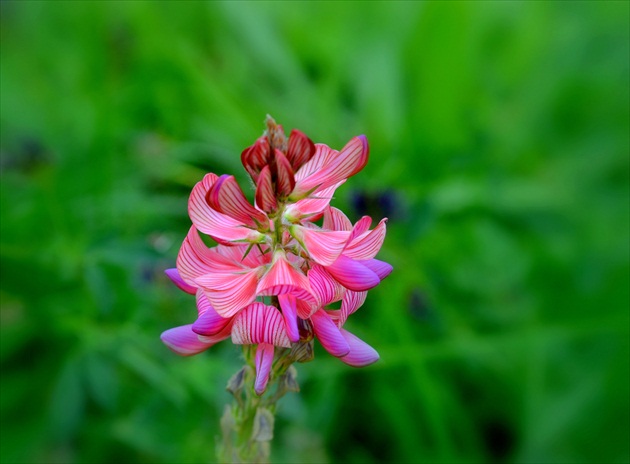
(274, 273)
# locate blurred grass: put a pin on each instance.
(499, 151)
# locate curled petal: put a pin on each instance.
(219, 226)
(254, 158)
(183, 341)
(353, 274)
(173, 274)
(288, 303)
(229, 292)
(362, 226)
(334, 219)
(323, 246)
(259, 323)
(227, 197)
(265, 195)
(209, 321)
(283, 278)
(325, 287)
(285, 179)
(300, 149)
(361, 354)
(264, 361)
(350, 303)
(329, 335)
(368, 244)
(380, 268)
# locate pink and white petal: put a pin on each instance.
(173, 274)
(306, 308)
(380, 268)
(285, 176)
(229, 292)
(367, 245)
(325, 287)
(334, 219)
(361, 354)
(183, 341)
(361, 227)
(300, 149)
(323, 156)
(313, 205)
(350, 303)
(281, 278)
(209, 321)
(323, 246)
(288, 303)
(259, 323)
(329, 334)
(264, 361)
(227, 197)
(353, 274)
(219, 226)
(224, 333)
(245, 255)
(265, 195)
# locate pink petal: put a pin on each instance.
(312, 205)
(227, 197)
(265, 195)
(219, 226)
(209, 322)
(285, 180)
(361, 354)
(288, 303)
(229, 292)
(173, 274)
(380, 268)
(259, 323)
(246, 255)
(183, 341)
(334, 219)
(353, 274)
(282, 278)
(264, 361)
(323, 156)
(329, 335)
(254, 158)
(362, 226)
(350, 303)
(300, 149)
(367, 245)
(323, 246)
(325, 287)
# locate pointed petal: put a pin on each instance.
(362, 226)
(325, 287)
(350, 303)
(209, 321)
(334, 219)
(329, 335)
(300, 149)
(312, 205)
(220, 227)
(323, 246)
(281, 278)
(380, 268)
(259, 323)
(353, 274)
(229, 292)
(323, 156)
(183, 341)
(361, 354)
(264, 361)
(265, 195)
(226, 197)
(173, 274)
(285, 180)
(368, 244)
(288, 303)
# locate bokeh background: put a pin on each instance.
(499, 136)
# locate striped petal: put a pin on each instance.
(334, 219)
(265, 195)
(285, 180)
(183, 341)
(288, 304)
(323, 156)
(350, 303)
(361, 354)
(361, 226)
(353, 274)
(264, 361)
(380, 268)
(323, 246)
(209, 321)
(254, 158)
(329, 334)
(259, 323)
(228, 293)
(325, 287)
(368, 244)
(219, 226)
(300, 149)
(226, 196)
(173, 274)
(314, 204)
(283, 278)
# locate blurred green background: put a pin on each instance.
(499, 136)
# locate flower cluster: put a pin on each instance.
(274, 272)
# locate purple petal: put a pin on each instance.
(329, 335)
(361, 354)
(173, 274)
(380, 268)
(209, 321)
(288, 303)
(264, 360)
(183, 341)
(353, 274)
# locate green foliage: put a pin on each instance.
(499, 150)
